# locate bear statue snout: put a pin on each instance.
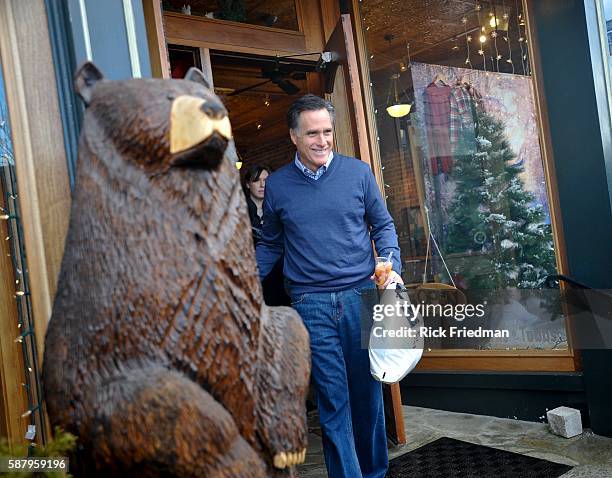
(207, 155)
(214, 110)
(199, 132)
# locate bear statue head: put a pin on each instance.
(199, 129)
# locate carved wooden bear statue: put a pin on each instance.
(160, 354)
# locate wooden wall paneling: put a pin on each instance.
(318, 24)
(355, 89)
(218, 34)
(3, 422)
(298, 14)
(367, 98)
(343, 132)
(344, 139)
(314, 24)
(42, 174)
(41, 168)
(156, 40)
(311, 24)
(317, 36)
(330, 14)
(13, 398)
(341, 42)
(314, 82)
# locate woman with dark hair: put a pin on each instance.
(254, 188)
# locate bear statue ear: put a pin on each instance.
(85, 79)
(194, 74)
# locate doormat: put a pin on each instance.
(450, 458)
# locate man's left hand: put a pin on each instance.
(392, 277)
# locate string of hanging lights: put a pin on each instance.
(26, 339)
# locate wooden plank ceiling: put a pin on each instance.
(257, 115)
(436, 31)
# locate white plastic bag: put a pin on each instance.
(392, 357)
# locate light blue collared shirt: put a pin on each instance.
(316, 175)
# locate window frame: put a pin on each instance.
(488, 360)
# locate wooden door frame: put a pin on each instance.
(156, 41)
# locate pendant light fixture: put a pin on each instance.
(238, 160)
(396, 109)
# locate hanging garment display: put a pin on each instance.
(462, 120)
(437, 120)
(508, 98)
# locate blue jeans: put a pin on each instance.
(350, 401)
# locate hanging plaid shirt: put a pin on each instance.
(436, 101)
(462, 121)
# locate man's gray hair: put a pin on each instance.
(308, 103)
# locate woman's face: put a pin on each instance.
(258, 187)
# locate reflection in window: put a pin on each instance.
(465, 163)
(276, 14)
(609, 32)
(182, 58)
(6, 147)
(607, 12)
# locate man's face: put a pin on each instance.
(313, 138)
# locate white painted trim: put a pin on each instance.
(86, 38)
(130, 28)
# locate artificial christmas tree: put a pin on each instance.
(495, 225)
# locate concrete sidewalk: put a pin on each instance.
(591, 455)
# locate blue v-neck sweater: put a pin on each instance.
(324, 227)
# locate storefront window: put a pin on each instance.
(460, 150)
(277, 14)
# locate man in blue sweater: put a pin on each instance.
(322, 211)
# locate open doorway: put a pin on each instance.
(257, 91)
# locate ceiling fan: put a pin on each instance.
(281, 76)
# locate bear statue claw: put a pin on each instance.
(283, 460)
